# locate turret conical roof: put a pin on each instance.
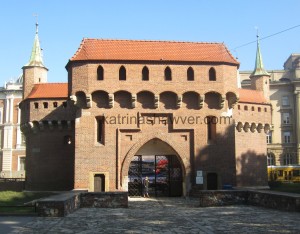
(36, 58)
(259, 69)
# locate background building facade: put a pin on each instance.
(12, 142)
(283, 139)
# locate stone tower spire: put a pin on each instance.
(259, 69)
(36, 58)
(260, 77)
(34, 72)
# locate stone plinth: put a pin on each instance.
(58, 205)
(105, 200)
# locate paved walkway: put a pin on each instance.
(166, 215)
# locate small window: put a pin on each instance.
(239, 107)
(269, 138)
(190, 74)
(65, 104)
(285, 101)
(55, 104)
(252, 108)
(36, 105)
(168, 74)
(286, 118)
(21, 166)
(100, 73)
(45, 104)
(122, 73)
(145, 73)
(287, 137)
(259, 109)
(287, 159)
(212, 74)
(100, 129)
(266, 110)
(271, 159)
(245, 108)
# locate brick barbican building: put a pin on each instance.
(172, 111)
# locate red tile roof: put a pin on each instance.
(252, 96)
(49, 90)
(101, 49)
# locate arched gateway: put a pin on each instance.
(158, 161)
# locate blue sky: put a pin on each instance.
(63, 24)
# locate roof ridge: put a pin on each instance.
(52, 83)
(145, 40)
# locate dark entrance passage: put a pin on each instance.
(164, 173)
(212, 181)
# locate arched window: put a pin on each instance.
(122, 73)
(145, 73)
(100, 73)
(190, 74)
(168, 74)
(212, 74)
(245, 108)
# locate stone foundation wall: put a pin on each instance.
(58, 205)
(104, 200)
(63, 204)
(222, 198)
(280, 201)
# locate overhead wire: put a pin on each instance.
(262, 38)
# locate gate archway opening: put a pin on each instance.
(160, 163)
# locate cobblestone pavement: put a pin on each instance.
(168, 215)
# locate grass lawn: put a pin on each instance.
(285, 187)
(10, 198)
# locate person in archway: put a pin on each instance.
(146, 186)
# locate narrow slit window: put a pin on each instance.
(212, 74)
(100, 73)
(145, 73)
(211, 122)
(168, 74)
(100, 129)
(122, 73)
(190, 74)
